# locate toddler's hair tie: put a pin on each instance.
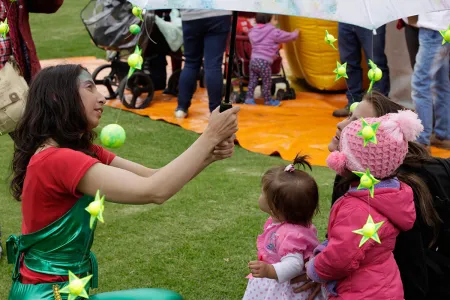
(289, 168)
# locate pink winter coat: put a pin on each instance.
(368, 272)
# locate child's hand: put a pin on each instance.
(296, 31)
(260, 269)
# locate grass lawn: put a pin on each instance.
(199, 242)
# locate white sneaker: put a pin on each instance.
(180, 114)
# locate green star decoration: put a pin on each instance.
(369, 132)
(75, 288)
(445, 35)
(96, 208)
(374, 74)
(4, 28)
(367, 181)
(137, 11)
(369, 231)
(135, 61)
(330, 39)
(341, 71)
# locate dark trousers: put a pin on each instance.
(351, 39)
(412, 42)
(203, 38)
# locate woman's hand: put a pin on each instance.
(224, 150)
(223, 125)
(309, 285)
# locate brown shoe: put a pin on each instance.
(342, 112)
(437, 142)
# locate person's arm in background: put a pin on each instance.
(43, 6)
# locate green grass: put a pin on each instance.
(200, 241)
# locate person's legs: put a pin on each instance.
(253, 81)
(193, 34)
(215, 42)
(373, 46)
(266, 77)
(428, 64)
(412, 42)
(157, 67)
(442, 103)
(350, 53)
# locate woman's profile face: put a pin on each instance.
(92, 99)
(364, 110)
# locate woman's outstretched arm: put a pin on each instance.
(124, 186)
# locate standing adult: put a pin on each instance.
(17, 46)
(350, 41)
(431, 78)
(205, 34)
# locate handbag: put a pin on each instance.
(13, 94)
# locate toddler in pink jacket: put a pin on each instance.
(265, 39)
(365, 222)
(291, 198)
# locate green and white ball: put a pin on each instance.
(113, 136)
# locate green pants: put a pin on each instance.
(20, 291)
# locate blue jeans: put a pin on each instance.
(351, 39)
(431, 77)
(203, 38)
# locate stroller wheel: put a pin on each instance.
(138, 84)
(106, 75)
(290, 94)
(281, 94)
(273, 88)
(234, 97)
(242, 96)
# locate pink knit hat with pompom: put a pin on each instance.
(384, 157)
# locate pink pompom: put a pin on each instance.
(409, 123)
(337, 161)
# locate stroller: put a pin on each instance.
(108, 22)
(241, 65)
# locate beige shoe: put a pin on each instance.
(437, 142)
(179, 114)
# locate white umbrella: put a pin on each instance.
(369, 14)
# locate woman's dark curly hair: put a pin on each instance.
(53, 110)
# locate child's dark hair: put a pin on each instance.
(294, 194)
(263, 18)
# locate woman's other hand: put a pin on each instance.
(224, 150)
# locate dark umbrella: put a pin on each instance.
(226, 103)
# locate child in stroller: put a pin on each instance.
(108, 22)
(245, 68)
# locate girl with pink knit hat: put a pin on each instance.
(357, 261)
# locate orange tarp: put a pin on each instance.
(303, 125)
